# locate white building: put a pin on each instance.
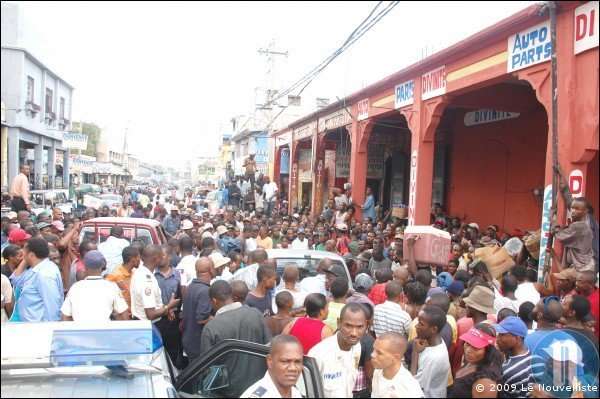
(37, 104)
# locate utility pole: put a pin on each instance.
(271, 53)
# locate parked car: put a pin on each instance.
(41, 200)
(126, 359)
(113, 201)
(305, 260)
(149, 231)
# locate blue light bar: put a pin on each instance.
(100, 347)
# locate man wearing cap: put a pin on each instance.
(171, 224)
(565, 283)
(517, 368)
(250, 169)
(186, 228)
(41, 284)
(342, 242)
(94, 299)
(300, 242)
(18, 237)
(58, 227)
(19, 191)
(44, 227)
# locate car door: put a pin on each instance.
(231, 366)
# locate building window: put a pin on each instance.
(61, 109)
(30, 88)
(49, 96)
(294, 100)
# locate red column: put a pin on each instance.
(318, 178)
(293, 189)
(360, 132)
(423, 118)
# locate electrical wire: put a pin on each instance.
(356, 34)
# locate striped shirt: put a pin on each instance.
(517, 373)
(389, 316)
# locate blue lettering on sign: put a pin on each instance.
(530, 48)
(332, 376)
(405, 93)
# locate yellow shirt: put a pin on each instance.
(267, 243)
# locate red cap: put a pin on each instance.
(17, 235)
(478, 338)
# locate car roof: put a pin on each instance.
(118, 220)
(303, 254)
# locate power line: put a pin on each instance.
(363, 28)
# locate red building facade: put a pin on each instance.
(467, 127)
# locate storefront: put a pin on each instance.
(469, 127)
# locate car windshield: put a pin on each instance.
(306, 267)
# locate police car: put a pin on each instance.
(126, 359)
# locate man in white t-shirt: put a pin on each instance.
(258, 258)
(146, 297)
(94, 299)
(430, 364)
(112, 249)
(390, 378)
(301, 242)
(338, 356)
(187, 264)
(270, 190)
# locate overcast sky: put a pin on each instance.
(175, 73)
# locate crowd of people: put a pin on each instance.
(396, 328)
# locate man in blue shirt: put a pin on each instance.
(169, 281)
(368, 208)
(225, 195)
(171, 223)
(40, 288)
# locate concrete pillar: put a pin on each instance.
(66, 169)
(38, 155)
(318, 176)
(360, 133)
(4, 155)
(51, 165)
(13, 154)
(294, 181)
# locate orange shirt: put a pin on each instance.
(122, 278)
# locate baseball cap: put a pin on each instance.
(206, 234)
(478, 338)
(60, 226)
(400, 236)
(434, 290)
(363, 281)
(12, 215)
(297, 216)
(174, 208)
(208, 226)
(512, 325)
(218, 258)
(493, 228)
(474, 225)
(42, 225)
(342, 226)
(94, 260)
(481, 299)
(455, 288)
(187, 224)
(439, 221)
(301, 231)
(17, 235)
(566, 274)
(336, 270)
(221, 230)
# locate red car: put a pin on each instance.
(149, 231)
